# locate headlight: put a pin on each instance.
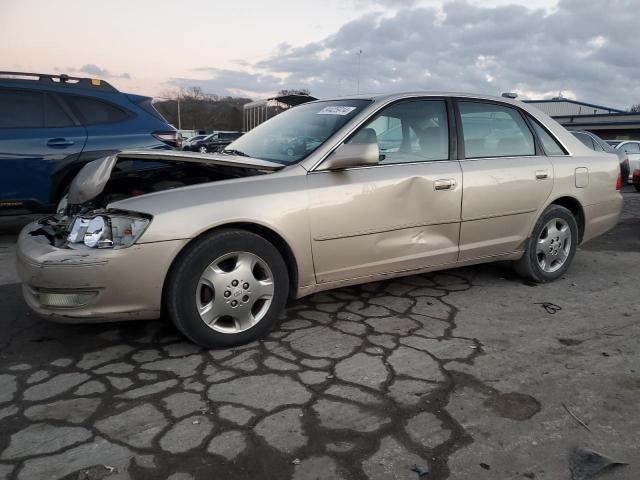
(107, 231)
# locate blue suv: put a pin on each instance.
(51, 125)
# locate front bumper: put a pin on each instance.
(93, 285)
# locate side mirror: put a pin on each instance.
(352, 155)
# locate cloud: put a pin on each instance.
(585, 48)
(95, 70)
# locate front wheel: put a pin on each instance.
(203, 149)
(227, 288)
(551, 247)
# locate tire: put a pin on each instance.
(548, 261)
(637, 187)
(203, 149)
(218, 270)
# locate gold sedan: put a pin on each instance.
(327, 194)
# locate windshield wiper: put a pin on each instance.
(231, 151)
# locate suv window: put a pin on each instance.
(409, 131)
(492, 130)
(550, 144)
(631, 147)
(92, 111)
(55, 116)
(21, 109)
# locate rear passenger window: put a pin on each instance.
(55, 116)
(93, 111)
(412, 131)
(550, 145)
(492, 130)
(21, 109)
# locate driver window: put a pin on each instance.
(412, 131)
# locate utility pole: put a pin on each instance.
(179, 119)
(358, 78)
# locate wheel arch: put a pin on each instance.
(575, 207)
(265, 232)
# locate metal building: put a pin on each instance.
(254, 113)
(606, 122)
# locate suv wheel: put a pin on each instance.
(551, 246)
(227, 288)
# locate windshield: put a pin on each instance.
(293, 135)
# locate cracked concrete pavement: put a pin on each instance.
(462, 373)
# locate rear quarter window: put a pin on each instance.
(91, 111)
(550, 144)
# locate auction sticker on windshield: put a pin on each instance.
(336, 110)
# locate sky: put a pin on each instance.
(582, 49)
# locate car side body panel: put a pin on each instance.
(381, 219)
(501, 200)
(277, 201)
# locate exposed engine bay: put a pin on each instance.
(134, 177)
(130, 174)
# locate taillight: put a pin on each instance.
(170, 138)
(619, 181)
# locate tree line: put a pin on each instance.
(202, 111)
(207, 112)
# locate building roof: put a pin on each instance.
(566, 106)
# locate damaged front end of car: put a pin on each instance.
(85, 217)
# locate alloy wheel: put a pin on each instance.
(235, 292)
(553, 245)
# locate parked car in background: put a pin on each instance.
(635, 179)
(186, 145)
(310, 201)
(631, 148)
(214, 142)
(52, 125)
(594, 142)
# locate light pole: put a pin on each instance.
(179, 118)
(358, 78)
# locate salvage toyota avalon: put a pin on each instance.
(327, 194)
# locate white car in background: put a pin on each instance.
(632, 149)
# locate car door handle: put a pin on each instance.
(542, 174)
(444, 184)
(59, 142)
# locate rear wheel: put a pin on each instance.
(551, 247)
(228, 288)
(637, 187)
(203, 149)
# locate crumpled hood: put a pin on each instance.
(92, 178)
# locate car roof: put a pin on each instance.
(383, 97)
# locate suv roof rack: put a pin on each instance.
(62, 80)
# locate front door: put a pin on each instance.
(401, 215)
(506, 180)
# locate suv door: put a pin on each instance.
(36, 134)
(507, 179)
(400, 215)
